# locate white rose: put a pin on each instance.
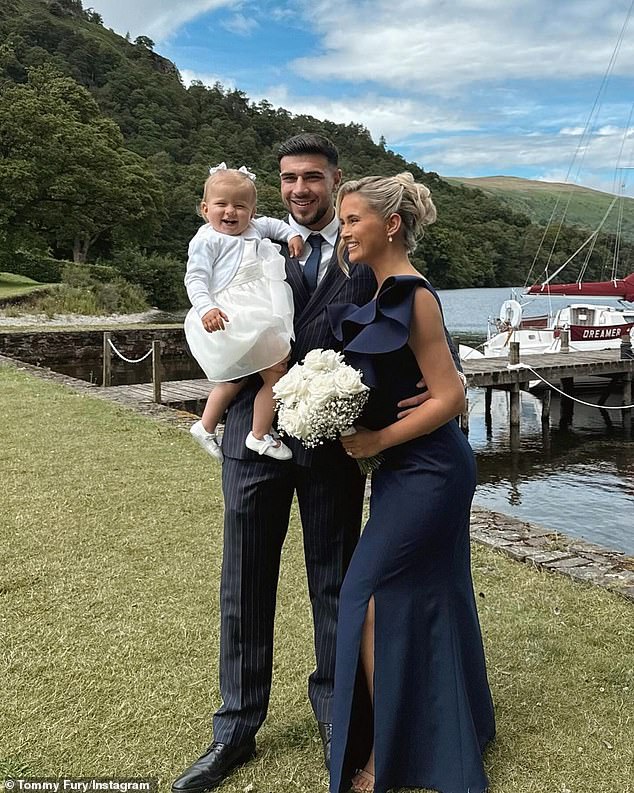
(322, 388)
(288, 421)
(323, 360)
(291, 386)
(295, 420)
(347, 381)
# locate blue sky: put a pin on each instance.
(464, 88)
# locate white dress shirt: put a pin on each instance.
(328, 252)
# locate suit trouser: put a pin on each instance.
(258, 496)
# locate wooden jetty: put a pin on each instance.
(171, 392)
(558, 369)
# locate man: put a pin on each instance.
(258, 491)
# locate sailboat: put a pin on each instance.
(589, 326)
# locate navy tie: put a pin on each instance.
(311, 267)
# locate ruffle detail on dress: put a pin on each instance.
(383, 324)
(273, 263)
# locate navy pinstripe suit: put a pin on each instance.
(258, 492)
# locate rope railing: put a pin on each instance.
(128, 360)
(518, 366)
(154, 351)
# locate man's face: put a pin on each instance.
(308, 184)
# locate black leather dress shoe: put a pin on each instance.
(325, 733)
(212, 767)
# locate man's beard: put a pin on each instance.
(320, 213)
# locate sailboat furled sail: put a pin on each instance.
(618, 288)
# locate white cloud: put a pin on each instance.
(157, 19)
(210, 80)
(393, 117)
(240, 24)
(423, 45)
(548, 157)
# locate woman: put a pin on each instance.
(412, 703)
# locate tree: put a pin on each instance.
(66, 175)
(145, 42)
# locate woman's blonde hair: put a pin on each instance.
(388, 195)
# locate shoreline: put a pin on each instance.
(76, 320)
(523, 541)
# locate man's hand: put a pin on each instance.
(296, 246)
(411, 403)
(214, 320)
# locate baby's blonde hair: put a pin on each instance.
(239, 178)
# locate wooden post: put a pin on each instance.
(514, 352)
(514, 442)
(156, 370)
(106, 376)
(546, 400)
(627, 400)
(564, 336)
(567, 405)
(488, 396)
(464, 417)
(515, 405)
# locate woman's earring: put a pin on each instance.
(389, 238)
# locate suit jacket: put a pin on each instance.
(312, 330)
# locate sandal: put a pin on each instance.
(367, 777)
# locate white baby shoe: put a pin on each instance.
(207, 440)
(269, 446)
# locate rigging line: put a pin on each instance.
(619, 185)
(586, 261)
(581, 247)
(602, 88)
(620, 180)
(585, 134)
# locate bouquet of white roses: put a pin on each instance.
(320, 399)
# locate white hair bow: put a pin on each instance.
(223, 167)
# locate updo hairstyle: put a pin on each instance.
(400, 194)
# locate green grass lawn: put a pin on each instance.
(110, 530)
(12, 285)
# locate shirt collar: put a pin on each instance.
(329, 232)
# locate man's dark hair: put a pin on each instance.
(309, 143)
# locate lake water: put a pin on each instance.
(577, 479)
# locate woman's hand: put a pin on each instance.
(214, 320)
(364, 443)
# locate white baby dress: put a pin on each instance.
(259, 304)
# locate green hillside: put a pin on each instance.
(542, 201)
(103, 153)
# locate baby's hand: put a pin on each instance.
(296, 246)
(214, 320)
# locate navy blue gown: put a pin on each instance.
(433, 713)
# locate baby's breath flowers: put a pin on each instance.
(320, 399)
